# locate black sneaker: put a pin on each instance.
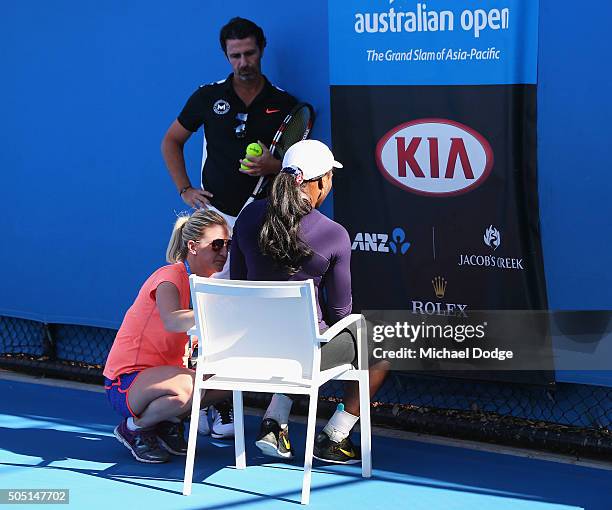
(222, 415)
(343, 452)
(274, 441)
(142, 443)
(171, 436)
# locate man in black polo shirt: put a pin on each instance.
(243, 108)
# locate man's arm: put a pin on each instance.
(172, 151)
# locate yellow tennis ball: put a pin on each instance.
(254, 149)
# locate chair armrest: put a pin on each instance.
(344, 323)
(357, 325)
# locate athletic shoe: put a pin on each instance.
(203, 426)
(222, 415)
(343, 452)
(171, 436)
(274, 440)
(142, 443)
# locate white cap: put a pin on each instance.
(312, 157)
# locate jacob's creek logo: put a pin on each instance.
(381, 243)
(439, 285)
(435, 157)
(221, 107)
(492, 239)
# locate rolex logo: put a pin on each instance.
(439, 285)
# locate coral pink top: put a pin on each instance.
(142, 341)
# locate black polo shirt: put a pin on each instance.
(229, 126)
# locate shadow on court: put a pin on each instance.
(69, 433)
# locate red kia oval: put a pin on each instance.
(434, 157)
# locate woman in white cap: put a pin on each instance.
(285, 237)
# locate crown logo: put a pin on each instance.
(439, 286)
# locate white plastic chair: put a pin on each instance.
(264, 337)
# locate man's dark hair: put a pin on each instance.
(241, 28)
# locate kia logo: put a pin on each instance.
(434, 157)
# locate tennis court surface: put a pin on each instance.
(54, 437)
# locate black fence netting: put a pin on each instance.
(55, 350)
(562, 417)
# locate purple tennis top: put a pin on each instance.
(329, 267)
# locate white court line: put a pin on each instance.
(377, 431)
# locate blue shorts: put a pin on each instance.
(117, 392)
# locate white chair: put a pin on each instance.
(264, 337)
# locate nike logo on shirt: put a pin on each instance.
(272, 110)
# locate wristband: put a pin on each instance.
(184, 189)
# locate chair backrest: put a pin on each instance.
(257, 330)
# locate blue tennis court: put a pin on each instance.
(59, 437)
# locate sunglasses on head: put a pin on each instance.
(218, 244)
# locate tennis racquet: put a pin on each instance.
(295, 127)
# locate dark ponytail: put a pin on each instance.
(279, 236)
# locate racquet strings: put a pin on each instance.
(296, 129)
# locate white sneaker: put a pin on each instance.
(203, 427)
(222, 416)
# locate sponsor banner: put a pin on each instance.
(439, 189)
(413, 218)
(446, 42)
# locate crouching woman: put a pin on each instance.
(145, 378)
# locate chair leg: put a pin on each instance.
(193, 439)
(239, 430)
(366, 429)
(310, 434)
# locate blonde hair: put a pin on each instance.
(190, 228)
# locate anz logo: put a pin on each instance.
(382, 243)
